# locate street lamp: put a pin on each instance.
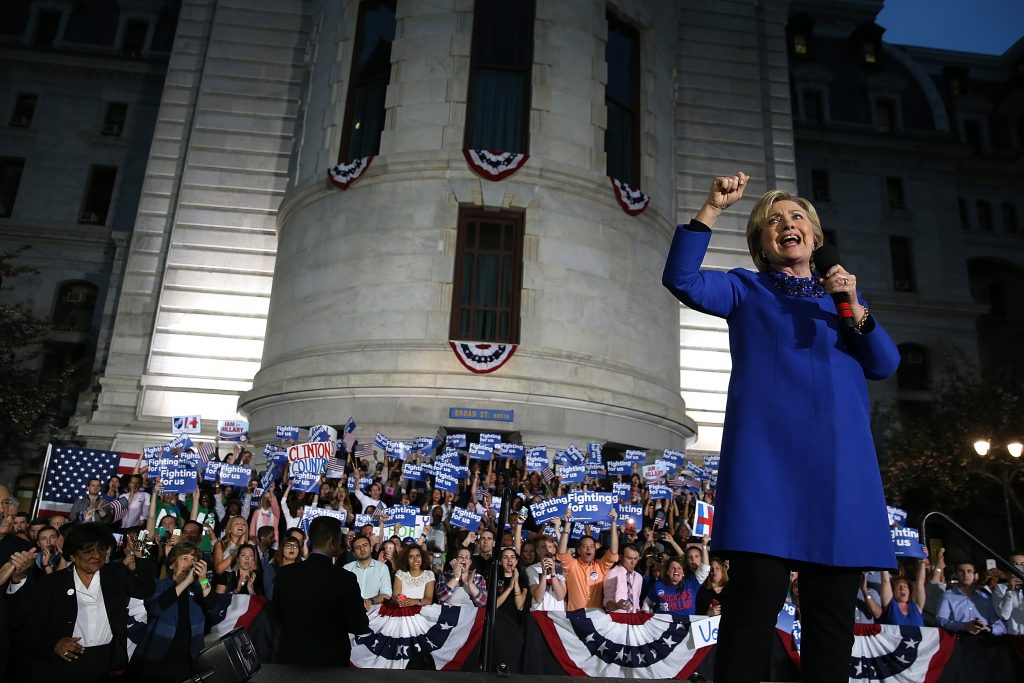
(1014, 448)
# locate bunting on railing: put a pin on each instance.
(494, 165)
(482, 358)
(632, 201)
(346, 173)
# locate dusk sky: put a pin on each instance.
(985, 26)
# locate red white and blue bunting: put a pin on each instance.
(632, 201)
(482, 358)
(643, 645)
(344, 174)
(397, 634)
(494, 165)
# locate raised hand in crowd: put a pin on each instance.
(17, 567)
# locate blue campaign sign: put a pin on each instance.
(235, 475)
(511, 450)
(160, 466)
(907, 543)
(622, 489)
(362, 520)
(573, 455)
(631, 513)
(572, 474)
(479, 451)
(490, 439)
(213, 470)
(536, 458)
(465, 519)
(593, 452)
(364, 483)
(711, 462)
(619, 467)
(306, 473)
(595, 470)
(897, 516)
(151, 453)
(413, 472)
(179, 480)
(398, 450)
(323, 433)
(180, 443)
(590, 506)
(287, 433)
(676, 457)
(309, 513)
(668, 465)
(549, 509)
(635, 456)
(698, 471)
(455, 440)
(580, 530)
(659, 492)
(403, 514)
(381, 441)
(446, 481)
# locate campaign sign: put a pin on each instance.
(413, 472)
(186, 424)
(479, 451)
(446, 481)
(549, 509)
(313, 449)
(897, 517)
(620, 467)
(490, 439)
(536, 458)
(455, 440)
(323, 433)
(660, 492)
(149, 454)
(510, 450)
(595, 470)
(654, 473)
(590, 506)
(426, 445)
(233, 430)
(381, 442)
(631, 513)
(573, 455)
(306, 472)
(403, 514)
(675, 457)
(711, 462)
(593, 452)
(572, 474)
(465, 519)
(622, 489)
(635, 456)
(364, 483)
(235, 475)
(669, 467)
(309, 513)
(412, 532)
(398, 450)
(704, 632)
(179, 480)
(212, 471)
(287, 433)
(181, 442)
(164, 464)
(907, 543)
(698, 471)
(580, 530)
(361, 520)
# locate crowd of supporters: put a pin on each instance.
(179, 552)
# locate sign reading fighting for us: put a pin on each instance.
(309, 513)
(307, 463)
(179, 480)
(591, 506)
(906, 542)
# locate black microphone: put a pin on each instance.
(825, 258)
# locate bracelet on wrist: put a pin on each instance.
(862, 323)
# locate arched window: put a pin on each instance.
(914, 373)
(76, 302)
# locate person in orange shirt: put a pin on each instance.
(584, 575)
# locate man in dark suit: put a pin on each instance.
(317, 603)
(77, 618)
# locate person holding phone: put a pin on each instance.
(965, 609)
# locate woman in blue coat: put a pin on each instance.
(798, 486)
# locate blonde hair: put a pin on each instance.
(759, 219)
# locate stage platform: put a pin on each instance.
(276, 673)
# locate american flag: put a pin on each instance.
(348, 437)
(118, 508)
(380, 512)
(365, 450)
(335, 468)
(547, 475)
(205, 451)
(69, 470)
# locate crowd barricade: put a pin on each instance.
(593, 643)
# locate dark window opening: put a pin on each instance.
(113, 119)
(814, 106)
(972, 133)
(885, 115)
(10, 179)
(98, 193)
(800, 31)
(997, 310)
(984, 211)
(134, 40)
(800, 44)
(371, 74)
(75, 305)
(894, 193)
(500, 75)
(820, 188)
(24, 110)
(622, 98)
(902, 264)
(914, 373)
(965, 220)
(47, 27)
(488, 277)
(70, 364)
(869, 52)
(1010, 218)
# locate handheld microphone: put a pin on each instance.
(825, 258)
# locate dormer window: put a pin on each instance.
(799, 33)
(800, 44)
(869, 52)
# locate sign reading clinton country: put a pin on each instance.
(313, 449)
(186, 424)
(307, 463)
(233, 430)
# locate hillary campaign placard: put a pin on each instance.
(235, 475)
(631, 513)
(572, 474)
(179, 480)
(309, 513)
(287, 433)
(308, 461)
(536, 458)
(465, 519)
(591, 506)
(233, 430)
(635, 456)
(186, 424)
(906, 542)
(549, 509)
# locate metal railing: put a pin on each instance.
(971, 537)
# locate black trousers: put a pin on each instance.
(92, 666)
(757, 590)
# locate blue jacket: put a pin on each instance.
(799, 477)
(162, 608)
